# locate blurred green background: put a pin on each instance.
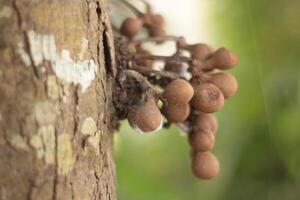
(258, 142)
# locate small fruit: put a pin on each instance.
(208, 98)
(176, 112)
(225, 82)
(131, 26)
(202, 140)
(221, 59)
(200, 51)
(206, 122)
(178, 91)
(157, 20)
(205, 165)
(153, 19)
(156, 31)
(146, 118)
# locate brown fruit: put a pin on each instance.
(153, 20)
(205, 165)
(131, 26)
(146, 117)
(202, 140)
(157, 20)
(200, 51)
(221, 59)
(208, 98)
(178, 91)
(206, 122)
(156, 31)
(176, 112)
(225, 82)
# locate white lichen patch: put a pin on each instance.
(43, 47)
(81, 72)
(44, 143)
(65, 157)
(45, 113)
(5, 12)
(89, 126)
(23, 55)
(18, 142)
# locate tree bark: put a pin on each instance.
(56, 77)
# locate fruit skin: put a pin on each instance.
(207, 98)
(221, 59)
(131, 26)
(153, 19)
(146, 118)
(178, 91)
(202, 140)
(200, 51)
(206, 122)
(205, 165)
(156, 31)
(227, 83)
(176, 112)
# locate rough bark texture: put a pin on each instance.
(56, 77)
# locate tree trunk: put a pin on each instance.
(56, 77)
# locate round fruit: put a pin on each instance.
(157, 20)
(146, 117)
(200, 51)
(202, 140)
(156, 31)
(225, 82)
(176, 112)
(205, 165)
(206, 122)
(221, 59)
(131, 26)
(208, 98)
(178, 91)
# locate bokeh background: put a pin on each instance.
(258, 142)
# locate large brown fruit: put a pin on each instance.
(146, 118)
(206, 122)
(205, 165)
(176, 112)
(178, 91)
(202, 140)
(221, 59)
(208, 98)
(225, 82)
(200, 51)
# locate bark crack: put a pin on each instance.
(55, 178)
(107, 53)
(26, 39)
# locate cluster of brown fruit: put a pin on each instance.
(153, 23)
(187, 102)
